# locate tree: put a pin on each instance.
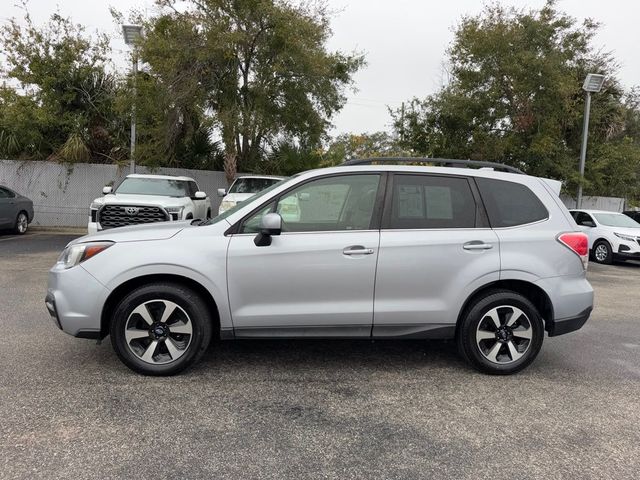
(58, 98)
(515, 96)
(365, 145)
(259, 68)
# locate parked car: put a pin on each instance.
(612, 235)
(634, 214)
(16, 211)
(142, 199)
(243, 188)
(491, 259)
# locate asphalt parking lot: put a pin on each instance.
(314, 409)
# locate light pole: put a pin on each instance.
(592, 84)
(131, 35)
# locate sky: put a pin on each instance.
(404, 42)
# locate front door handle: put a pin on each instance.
(477, 245)
(357, 250)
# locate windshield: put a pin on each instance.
(616, 220)
(241, 204)
(154, 186)
(252, 185)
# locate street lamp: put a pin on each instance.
(592, 84)
(131, 34)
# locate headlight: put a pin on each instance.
(628, 238)
(95, 206)
(175, 212)
(75, 254)
(226, 205)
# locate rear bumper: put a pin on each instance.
(560, 326)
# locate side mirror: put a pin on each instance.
(587, 223)
(107, 190)
(270, 224)
(200, 196)
(222, 192)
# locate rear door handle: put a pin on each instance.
(357, 250)
(477, 245)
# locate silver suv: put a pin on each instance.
(491, 259)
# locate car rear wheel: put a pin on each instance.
(602, 252)
(22, 223)
(160, 329)
(500, 333)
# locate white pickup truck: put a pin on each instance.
(142, 199)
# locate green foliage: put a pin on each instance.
(365, 145)
(259, 69)
(56, 91)
(515, 96)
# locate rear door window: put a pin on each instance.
(429, 201)
(509, 204)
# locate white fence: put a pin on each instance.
(62, 194)
(609, 204)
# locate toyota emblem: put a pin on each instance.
(131, 210)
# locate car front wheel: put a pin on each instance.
(161, 329)
(500, 333)
(602, 252)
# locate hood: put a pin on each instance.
(132, 199)
(237, 197)
(138, 233)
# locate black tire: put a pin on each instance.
(22, 223)
(475, 351)
(602, 252)
(208, 214)
(189, 303)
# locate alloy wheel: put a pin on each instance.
(602, 252)
(23, 222)
(158, 331)
(504, 334)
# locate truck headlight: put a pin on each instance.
(175, 212)
(628, 238)
(226, 205)
(78, 253)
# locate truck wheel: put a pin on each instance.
(160, 329)
(500, 333)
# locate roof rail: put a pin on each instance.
(446, 162)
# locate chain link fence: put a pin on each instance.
(62, 193)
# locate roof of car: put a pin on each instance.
(270, 177)
(159, 177)
(592, 211)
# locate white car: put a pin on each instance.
(142, 199)
(243, 188)
(612, 235)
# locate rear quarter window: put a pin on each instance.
(510, 204)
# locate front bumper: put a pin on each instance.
(75, 300)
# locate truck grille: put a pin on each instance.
(111, 216)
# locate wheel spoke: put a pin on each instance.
(493, 353)
(513, 352)
(150, 351)
(523, 333)
(493, 315)
(515, 315)
(173, 350)
(169, 308)
(144, 313)
(184, 329)
(135, 334)
(484, 335)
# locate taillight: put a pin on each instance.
(578, 243)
